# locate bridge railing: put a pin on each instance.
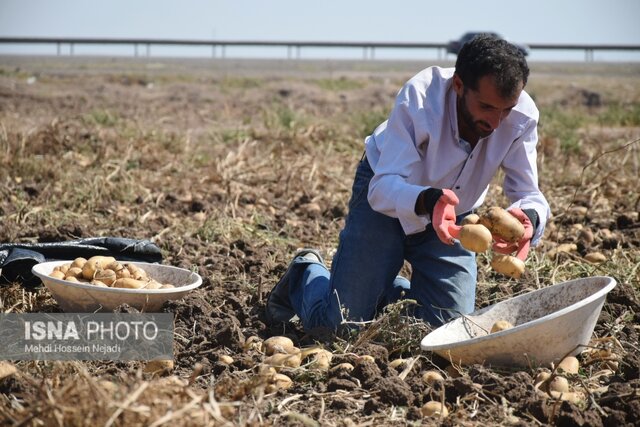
(293, 47)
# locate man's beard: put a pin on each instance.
(479, 128)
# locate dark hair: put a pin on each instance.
(487, 54)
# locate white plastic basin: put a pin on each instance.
(549, 323)
(86, 298)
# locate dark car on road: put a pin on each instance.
(454, 46)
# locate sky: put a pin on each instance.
(533, 21)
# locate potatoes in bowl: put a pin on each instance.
(147, 289)
(105, 271)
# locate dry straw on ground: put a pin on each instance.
(229, 170)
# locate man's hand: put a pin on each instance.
(522, 247)
(444, 216)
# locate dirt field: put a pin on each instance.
(229, 166)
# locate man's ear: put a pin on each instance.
(458, 86)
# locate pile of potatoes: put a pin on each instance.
(106, 272)
(281, 354)
(555, 384)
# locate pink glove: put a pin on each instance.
(522, 247)
(444, 216)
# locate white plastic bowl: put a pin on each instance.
(86, 298)
(549, 323)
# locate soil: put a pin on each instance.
(229, 167)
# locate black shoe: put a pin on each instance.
(278, 308)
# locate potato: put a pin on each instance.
(153, 284)
(115, 266)
(136, 272)
(7, 369)
(501, 325)
(397, 363)
(559, 384)
(309, 351)
(105, 276)
(321, 360)
(225, 359)
(277, 344)
(158, 367)
(129, 283)
(595, 257)
(475, 237)
(434, 409)
(266, 372)
(503, 224)
(342, 367)
(569, 365)
(123, 273)
(90, 267)
(57, 274)
(470, 219)
(99, 284)
(562, 248)
(78, 262)
(507, 265)
(542, 381)
(102, 260)
(106, 261)
(167, 286)
(62, 268)
(74, 272)
(281, 360)
(72, 279)
(281, 381)
(432, 377)
(365, 359)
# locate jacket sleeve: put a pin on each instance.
(521, 178)
(391, 191)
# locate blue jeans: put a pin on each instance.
(364, 274)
